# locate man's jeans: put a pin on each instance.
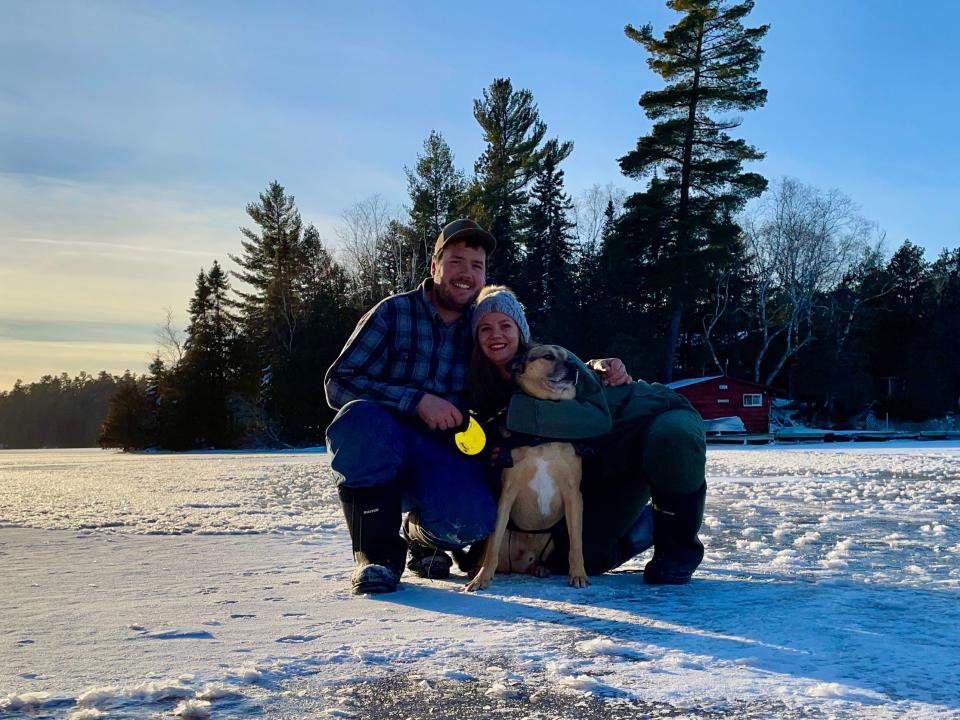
(372, 446)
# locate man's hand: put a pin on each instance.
(437, 413)
(612, 371)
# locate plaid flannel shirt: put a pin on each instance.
(400, 350)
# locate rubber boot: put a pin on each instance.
(677, 551)
(373, 519)
(426, 559)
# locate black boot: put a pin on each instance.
(373, 519)
(426, 559)
(677, 551)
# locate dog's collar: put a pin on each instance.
(511, 525)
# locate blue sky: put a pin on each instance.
(132, 134)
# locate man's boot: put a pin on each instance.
(426, 559)
(373, 519)
(677, 551)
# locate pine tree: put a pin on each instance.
(205, 375)
(436, 188)
(548, 264)
(328, 319)
(709, 60)
(129, 422)
(513, 131)
(271, 263)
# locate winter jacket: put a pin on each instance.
(596, 411)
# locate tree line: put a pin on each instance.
(708, 269)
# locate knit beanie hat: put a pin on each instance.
(500, 298)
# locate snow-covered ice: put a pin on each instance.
(216, 585)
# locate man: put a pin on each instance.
(398, 385)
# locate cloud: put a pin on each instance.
(101, 246)
(22, 329)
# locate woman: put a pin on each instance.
(640, 441)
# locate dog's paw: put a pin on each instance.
(578, 581)
(540, 571)
(480, 582)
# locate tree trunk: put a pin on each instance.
(683, 212)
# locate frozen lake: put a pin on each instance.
(216, 585)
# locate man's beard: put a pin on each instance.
(444, 299)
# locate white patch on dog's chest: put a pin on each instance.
(543, 486)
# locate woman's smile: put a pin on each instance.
(499, 338)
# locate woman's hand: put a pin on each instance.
(612, 371)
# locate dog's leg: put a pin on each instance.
(491, 554)
(573, 508)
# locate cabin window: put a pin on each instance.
(753, 400)
(723, 401)
(722, 387)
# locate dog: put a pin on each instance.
(542, 487)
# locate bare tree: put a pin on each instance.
(721, 299)
(363, 235)
(802, 242)
(589, 211)
(170, 341)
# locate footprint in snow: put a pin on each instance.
(295, 639)
(177, 635)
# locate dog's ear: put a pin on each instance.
(515, 366)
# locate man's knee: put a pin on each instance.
(366, 444)
(358, 418)
(675, 452)
(455, 520)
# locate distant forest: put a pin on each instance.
(708, 269)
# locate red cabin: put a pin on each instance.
(720, 396)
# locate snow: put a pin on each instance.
(216, 585)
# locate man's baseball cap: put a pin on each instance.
(464, 230)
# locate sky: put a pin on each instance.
(133, 134)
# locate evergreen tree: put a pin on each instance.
(944, 345)
(328, 319)
(548, 264)
(709, 60)
(901, 359)
(589, 326)
(399, 259)
(204, 376)
(436, 188)
(513, 132)
(270, 265)
(129, 419)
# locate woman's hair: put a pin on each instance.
(489, 393)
